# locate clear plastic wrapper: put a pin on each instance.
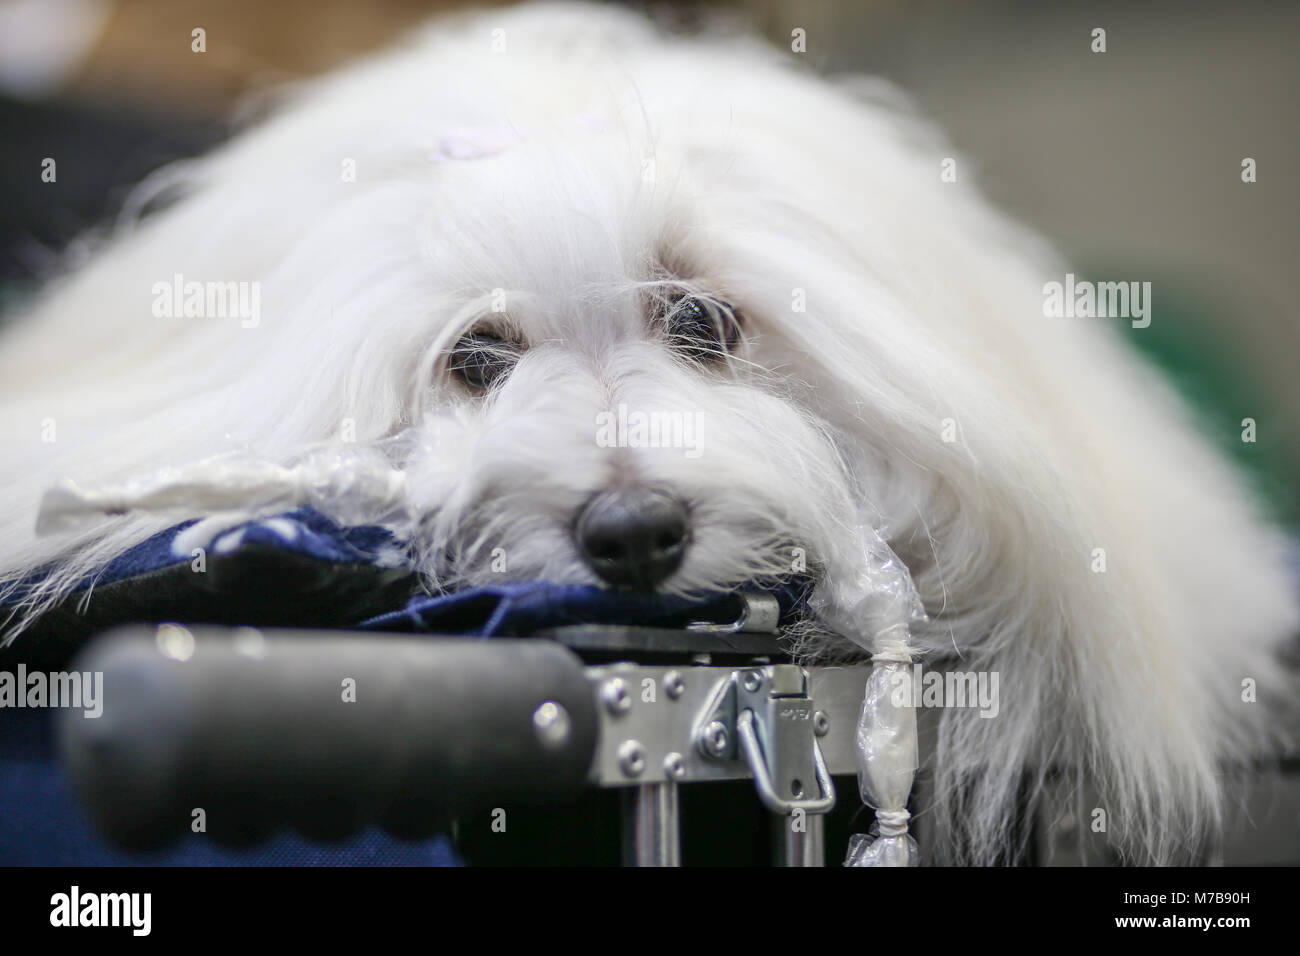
(873, 602)
(874, 605)
(887, 761)
(354, 486)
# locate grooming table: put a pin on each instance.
(529, 699)
(252, 727)
(595, 727)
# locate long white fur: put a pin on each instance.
(734, 167)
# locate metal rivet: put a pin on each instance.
(714, 739)
(175, 642)
(616, 697)
(631, 758)
(674, 686)
(674, 766)
(552, 723)
(753, 681)
(821, 723)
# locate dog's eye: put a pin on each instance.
(482, 360)
(703, 328)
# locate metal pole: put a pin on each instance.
(652, 830)
(800, 839)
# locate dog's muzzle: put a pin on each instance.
(633, 537)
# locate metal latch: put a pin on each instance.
(760, 613)
(764, 716)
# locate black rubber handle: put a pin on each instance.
(326, 732)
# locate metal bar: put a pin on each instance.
(653, 827)
(800, 839)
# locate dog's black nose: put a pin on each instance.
(633, 537)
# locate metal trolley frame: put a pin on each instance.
(327, 731)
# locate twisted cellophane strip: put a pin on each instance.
(874, 605)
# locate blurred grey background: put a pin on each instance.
(1130, 161)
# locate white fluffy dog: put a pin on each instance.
(524, 221)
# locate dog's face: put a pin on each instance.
(603, 402)
(646, 335)
(638, 310)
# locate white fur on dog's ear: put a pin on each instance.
(896, 362)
